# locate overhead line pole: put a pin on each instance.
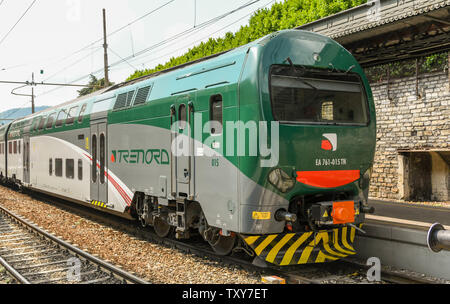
(105, 47)
(32, 93)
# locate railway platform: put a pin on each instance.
(397, 234)
(409, 212)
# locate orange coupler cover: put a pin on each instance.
(343, 212)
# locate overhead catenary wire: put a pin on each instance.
(168, 40)
(21, 17)
(122, 58)
(210, 34)
(117, 30)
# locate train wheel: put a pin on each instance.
(223, 245)
(162, 228)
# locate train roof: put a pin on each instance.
(175, 80)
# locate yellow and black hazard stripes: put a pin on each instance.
(99, 204)
(302, 248)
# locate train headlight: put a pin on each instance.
(281, 180)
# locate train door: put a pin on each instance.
(99, 148)
(26, 158)
(182, 133)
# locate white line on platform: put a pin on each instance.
(400, 221)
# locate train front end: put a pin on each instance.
(316, 95)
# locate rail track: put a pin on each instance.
(338, 272)
(33, 256)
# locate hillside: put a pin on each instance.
(18, 113)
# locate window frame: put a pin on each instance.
(94, 141)
(212, 100)
(42, 123)
(57, 173)
(80, 169)
(81, 114)
(50, 120)
(70, 120)
(320, 72)
(70, 161)
(60, 121)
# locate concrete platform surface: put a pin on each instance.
(410, 212)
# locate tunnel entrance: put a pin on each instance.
(424, 175)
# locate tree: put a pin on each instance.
(282, 15)
(94, 85)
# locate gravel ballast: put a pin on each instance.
(152, 262)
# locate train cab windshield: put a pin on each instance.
(317, 97)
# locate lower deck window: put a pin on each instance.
(80, 169)
(70, 168)
(58, 167)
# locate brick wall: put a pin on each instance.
(408, 122)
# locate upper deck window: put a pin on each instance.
(71, 116)
(317, 97)
(82, 111)
(42, 122)
(50, 120)
(61, 117)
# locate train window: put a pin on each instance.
(58, 167)
(82, 111)
(71, 116)
(80, 169)
(315, 97)
(50, 120)
(50, 167)
(42, 123)
(15, 147)
(27, 163)
(102, 158)
(182, 116)
(70, 168)
(18, 146)
(61, 117)
(94, 158)
(10, 147)
(215, 113)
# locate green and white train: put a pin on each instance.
(277, 140)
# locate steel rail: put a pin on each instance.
(15, 274)
(122, 274)
(204, 251)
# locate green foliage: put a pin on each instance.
(94, 85)
(280, 16)
(406, 68)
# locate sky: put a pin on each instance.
(57, 36)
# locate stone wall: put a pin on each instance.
(407, 122)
